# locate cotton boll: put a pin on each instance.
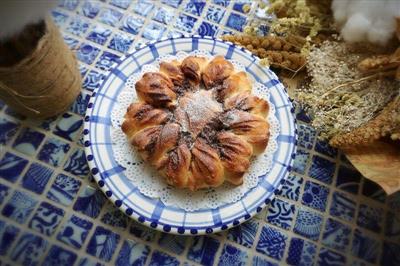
(15, 15)
(366, 20)
(356, 28)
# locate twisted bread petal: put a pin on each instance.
(206, 166)
(192, 67)
(167, 141)
(235, 156)
(177, 170)
(156, 89)
(246, 102)
(234, 84)
(145, 141)
(173, 71)
(142, 115)
(217, 71)
(250, 127)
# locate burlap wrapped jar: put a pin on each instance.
(45, 82)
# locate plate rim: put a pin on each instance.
(173, 228)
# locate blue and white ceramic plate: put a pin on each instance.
(150, 211)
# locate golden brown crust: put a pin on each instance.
(173, 71)
(177, 170)
(217, 71)
(206, 165)
(250, 127)
(235, 155)
(156, 89)
(192, 67)
(236, 83)
(247, 102)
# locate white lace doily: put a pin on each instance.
(151, 184)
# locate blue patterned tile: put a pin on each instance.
(281, 213)
(143, 7)
(343, 206)
(106, 60)
(75, 231)
(301, 252)
(300, 162)
(203, 250)
(11, 166)
(323, 147)
(173, 243)
(114, 217)
(28, 141)
(64, 189)
(164, 15)
(336, 235)
(162, 259)
(291, 187)
(373, 191)
(4, 191)
(89, 9)
(92, 80)
(239, 5)
(306, 136)
(174, 34)
(244, 234)
(322, 169)
(258, 261)
(370, 218)
(77, 26)
(348, 179)
(173, 3)
(142, 232)
(71, 42)
(365, 247)
(195, 7)
(46, 219)
(132, 253)
(392, 226)
(80, 104)
(328, 258)
(8, 233)
(308, 224)
(232, 256)
(68, 4)
(90, 202)
(224, 3)
(236, 21)
(215, 14)
(19, 207)
(103, 243)
(36, 178)
(121, 3)
(207, 29)
(121, 42)
(46, 124)
(394, 202)
(68, 127)
(59, 18)
(153, 31)
(272, 242)
(60, 257)
(87, 53)
(76, 164)
(99, 35)
(29, 250)
(390, 254)
(110, 16)
(315, 196)
(88, 262)
(185, 22)
(53, 151)
(132, 24)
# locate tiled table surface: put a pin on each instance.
(52, 213)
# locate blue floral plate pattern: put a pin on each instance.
(150, 211)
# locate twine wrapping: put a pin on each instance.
(46, 82)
